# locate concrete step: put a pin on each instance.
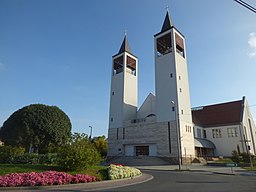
(139, 161)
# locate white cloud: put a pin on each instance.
(252, 44)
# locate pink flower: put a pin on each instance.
(44, 178)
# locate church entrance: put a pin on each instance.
(142, 150)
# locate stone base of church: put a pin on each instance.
(175, 160)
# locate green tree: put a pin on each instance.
(78, 154)
(36, 126)
(101, 144)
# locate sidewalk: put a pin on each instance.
(201, 168)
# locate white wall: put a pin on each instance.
(166, 88)
(124, 101)
(148, 107)
(224, 145)
(248, 130)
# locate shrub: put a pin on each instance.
(78, 154)
(235, 156)
(48, 159)
(9, 153)
(120, 172)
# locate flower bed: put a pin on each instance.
(43, 178)
(120, 172)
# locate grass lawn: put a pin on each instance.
(224, 161)
(95, 170)
(250, 168)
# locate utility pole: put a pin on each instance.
(178, 132)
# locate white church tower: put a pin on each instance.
(124, 87)
(172, 85)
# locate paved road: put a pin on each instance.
(193, 181)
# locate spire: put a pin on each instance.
(167, 22)
(125, 46)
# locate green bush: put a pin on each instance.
(235, 156)
(48, 159)
(9, 153)
(78, 154)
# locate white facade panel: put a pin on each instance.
(152, 150)
(129, 150)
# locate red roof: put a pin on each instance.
(218, 115)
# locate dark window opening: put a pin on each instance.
(118, 65)
(204, 133)
(180, 90)
(179, 45)
(117, 133)
(119, 149)
(113, 93)
(123, 133)
(179, 77)
(164, 45)
(131, 65)
(171, 75)
(173, 108)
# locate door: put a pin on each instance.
(142, 150)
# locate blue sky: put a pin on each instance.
(59, 52)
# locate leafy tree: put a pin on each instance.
(101, 144)
(36, 126)
(78, 154)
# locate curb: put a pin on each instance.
(92, 186)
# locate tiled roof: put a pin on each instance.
(217, 115)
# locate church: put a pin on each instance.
(165, 125)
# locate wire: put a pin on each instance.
(246, 5)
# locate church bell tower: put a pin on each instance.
(172, 84)
(124, 86)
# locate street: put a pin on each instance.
(192, 181)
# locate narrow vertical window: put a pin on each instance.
(111, 119)
(171, 75)
(173, 108)
(113, 93)
(117, 133)
(123, 133)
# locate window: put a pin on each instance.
(198, 131)
(232, 132)
(180, 90)
(117, 133)
(171, 75)
(182, 111)
(123, 133)
(173, 108)
(164, 45)
(111, 119)
(179, 77)
(204, 133)
(216, 133)
(179, 45)
(113, 93)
